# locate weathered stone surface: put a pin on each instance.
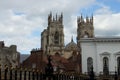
(8, 55)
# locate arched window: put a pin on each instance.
(86, 35)
(56, 38)
(105, 65)
(118, 65)
(89, 64)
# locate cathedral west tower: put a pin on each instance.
(52, 38)
(85, 27)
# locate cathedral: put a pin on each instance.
(52, 38)
(100, 53)
(65, 58)
(52, 43)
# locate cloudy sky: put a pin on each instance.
(22, 21)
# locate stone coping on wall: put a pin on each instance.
(100, 39)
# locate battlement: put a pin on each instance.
(87, 20)
(52, 19)
(85, 27)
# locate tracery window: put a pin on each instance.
(105, 65)
(89, 64)
(86, 35)
(56, 38)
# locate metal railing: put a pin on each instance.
(34, 74)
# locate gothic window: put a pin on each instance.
(118, 65)
(89, 64)
(105, 65)
(86, 34)
(56, 38)
(118, 61)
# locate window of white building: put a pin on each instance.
(118, 65)
(89, 64)
(105, 65)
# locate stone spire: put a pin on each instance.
(72, 39)
(87, 19)
(81, 18)
(56, 17)
(53, 18)
(61, 18)
(91, 19)
(61, 15)
(50, 18)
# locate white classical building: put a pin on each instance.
(96, 50)
(101, 53)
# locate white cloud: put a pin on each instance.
(20, 18)
(24, 43)
(104, 10)
(107, 25)
(106, 22)
(70, 29)
(18, 29)
(18, 25)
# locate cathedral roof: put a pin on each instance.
(71, 46)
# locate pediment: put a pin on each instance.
(117, 53)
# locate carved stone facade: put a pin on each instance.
(64, 58)
(9, 55)
(52, 38)
(85, 27)
(52, 43)
(103, 54)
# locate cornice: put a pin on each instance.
(97, 39)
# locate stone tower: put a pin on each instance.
(52, 38)
(85, 27)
